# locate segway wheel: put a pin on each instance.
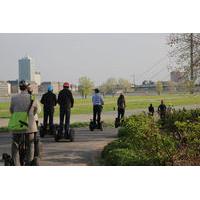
(35, 162)
(117, 123)
(42, 132)
(91, 126)
(56, 137)
(71, 135)
(8, 161)
(101, 126)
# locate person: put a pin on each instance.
(20, 106)
(49, 101)
(162, 110)
(33, 122)
(121, 104)
(98, 103)
(151, 109)
(66, 102)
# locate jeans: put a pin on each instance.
(97, 114)
(65, 115)
(48, 114)
(121, 112)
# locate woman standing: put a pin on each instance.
(121, 104)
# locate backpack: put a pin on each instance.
(19, 120)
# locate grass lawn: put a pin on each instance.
(84, 106)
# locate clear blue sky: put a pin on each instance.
(62, 57)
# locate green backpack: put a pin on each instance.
(19, 120)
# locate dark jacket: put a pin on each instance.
(121, 103)
(65, 99)
(49, 100)
(162, 108)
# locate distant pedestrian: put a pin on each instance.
(151, 110)
(98, 103)
(162, 110)
(121, 104)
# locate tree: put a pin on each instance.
(185, 48)
(109, 87)
(124, 84)
(85, 86)
(171, 87)
(159, 87)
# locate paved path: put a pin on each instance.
(84, 151)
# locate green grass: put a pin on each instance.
(84, 106)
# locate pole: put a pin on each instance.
(191, 62)
(191, 57)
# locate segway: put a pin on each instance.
(93, 126)
(47, 131)
(118, 122)
(8, 161)
(62, 136)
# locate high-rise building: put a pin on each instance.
(26, 69)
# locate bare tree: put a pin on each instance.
(185, 49)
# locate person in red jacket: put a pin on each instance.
(66, 102)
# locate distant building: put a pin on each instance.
(37, 78)
(57, 87)
(176, 76)
(14, 86)
(44, 87)
(27, 70)
(5, 89)
(34, 87)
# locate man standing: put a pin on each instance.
(66, 102)
(49, 101)
(18, 124)
(162, 110)
(98, 103)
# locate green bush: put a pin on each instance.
(139, 143)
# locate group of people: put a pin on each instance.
(162, 109)
(24, 109)
(65, 101)
(25, 103)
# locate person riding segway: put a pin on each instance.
(121, 104)
(22, 107)
(66, 102)
(98, 103)
(49, 101)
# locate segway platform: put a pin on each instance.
(44, 132)
(62, 137)
(93, 126)
(118, 122)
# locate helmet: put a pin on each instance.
(96, 90)
(50, 88)
(66, 84)
(23, 85)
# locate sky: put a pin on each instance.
(66, 57)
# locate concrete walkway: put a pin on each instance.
(84, 151)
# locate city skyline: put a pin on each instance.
(66, 57)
